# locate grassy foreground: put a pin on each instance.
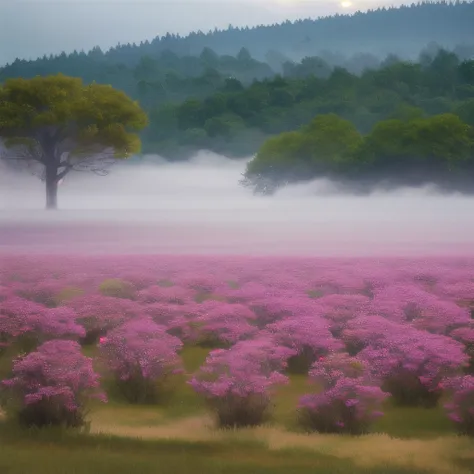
(52, 452)
(179, 437)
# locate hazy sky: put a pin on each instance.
(31, 28)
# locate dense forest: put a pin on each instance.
(232, 104)
(236, 120)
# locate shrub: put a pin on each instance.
(349, 401)
(28, 324)
(223, 324)
(308, 336)
(466, 336)
(412, 363)
(99, 314)
(171, 294)
(43, 292)
(423, 310)
(277, 307)
(368, 331)
(52, 386)
(67, 294)
(339, 309)
(237, 384)
(460, 408)
(117, 289)
(142, 356)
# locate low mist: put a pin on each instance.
(200, 207)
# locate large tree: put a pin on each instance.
(64, 125)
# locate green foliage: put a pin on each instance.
(324, 146)
(60, 108)
(67, 294)
(438, 149)
(466, 111)
(439, 141)
(116, 288)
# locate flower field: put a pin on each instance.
(336, 346)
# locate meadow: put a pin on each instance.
(177, 364)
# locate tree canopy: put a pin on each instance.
(66, 125)
(415, 150)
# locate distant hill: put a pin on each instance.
(403, 31)
(399, 30)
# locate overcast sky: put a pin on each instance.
(31, 28)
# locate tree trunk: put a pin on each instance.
(51, 187)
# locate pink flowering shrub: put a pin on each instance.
(272, 357)
(43, 292)
(28, 324)
(142, 357)
(222, 324)
(309, 338)
(99, 314)
(139, 279)
(348, 402)
(169, 295)
(51, 386)
(169, 315)
(238, 383)
(412, 363)
(465, 335)
(340, 309)
(423, 310)
(460, 407)
(199, 282)
(365, 331)
(279, 307)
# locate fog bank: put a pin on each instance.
(199, 206)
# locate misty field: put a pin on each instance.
(219, 364)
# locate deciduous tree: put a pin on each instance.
(65, 125)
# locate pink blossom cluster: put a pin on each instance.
(28, 323)
(99, 314)
(412, 363)
(347, 399)
(52, 384)
(238, 382)
(460, 407)
(140, 354)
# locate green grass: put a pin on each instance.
(55, 453)
(416, 423)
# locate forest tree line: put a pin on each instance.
(237, 120)
(401, 30)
